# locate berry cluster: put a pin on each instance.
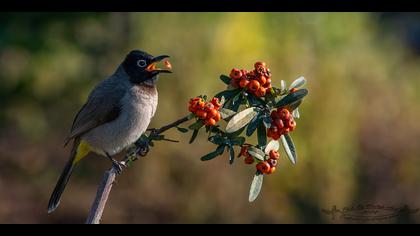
(257, 81)
(265, 167)
(207, 111)
(282, 122)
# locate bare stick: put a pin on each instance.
(105, 187)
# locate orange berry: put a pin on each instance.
(259, 64)
(293, 90)
(262, 80)
(260, 92)
(210, 122)
(263, 167)
(200, 104)
(202, 114)
(235, 73)
(272, 170)
(243, 83)
(254, 85)
(217, 117)
(274, 154)
(211, 113)
(249, 160)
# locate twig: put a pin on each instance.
(105, 187)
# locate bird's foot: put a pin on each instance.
(118, 166)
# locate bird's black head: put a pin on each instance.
(141, 67)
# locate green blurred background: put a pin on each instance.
(357, 139)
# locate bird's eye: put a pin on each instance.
(141, 63)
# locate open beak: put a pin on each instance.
(153, 66)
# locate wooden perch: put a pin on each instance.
(104, 189)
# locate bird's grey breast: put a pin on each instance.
(138, 106)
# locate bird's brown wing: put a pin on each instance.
(103, 106)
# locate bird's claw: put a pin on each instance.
(118, 166)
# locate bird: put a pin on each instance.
(117, 112)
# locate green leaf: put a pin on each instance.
(289, 147)
(219, 151)
(197, 125)
(182, 130)
(282, 86)
(272, 145)
(241, 119)
(238, 141)
(293, 106)
(267, 121)
(228, 94)
(257, 153)
(236, 133)
(255, 186)
(225, 79)
(158, 137)
(253, 101)
(292, 97)
(226, 113)
(262, 135)
(299, 82)
(237, 101)
(194, 135)
(253, 125)
(217, 139)
(231, 155)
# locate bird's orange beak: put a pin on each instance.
(158, 61)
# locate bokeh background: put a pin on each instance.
(357, 139)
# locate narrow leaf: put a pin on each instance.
(257, 153)
(252, 125)
(262, 135)
(289, 147)
(299, 82)
(295, 113)
(238, 141)
(231, 155)
(255, 186)
(272, 145)
(194, 135)
(219, 151)
(182, 130)
(282, 86)
(228, 94)
(292, 97)
(226, 113)
(197, 125)
(225, 79)
(293, 106)
(240, 120)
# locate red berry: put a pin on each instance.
(202, 114)
(259, 64)
(212, 113)
(210, 122)
(284, 114)
(262, 80)
(279, 123)
(272, 162)
(235, 73)
(249, 160)
(274, 155)
(216, 103)
(263, 167)
(293, 90)
(244, 151)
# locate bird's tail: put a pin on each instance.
(78, 152)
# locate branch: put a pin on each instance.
(141, 148)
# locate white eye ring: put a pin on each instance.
(141, 63)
